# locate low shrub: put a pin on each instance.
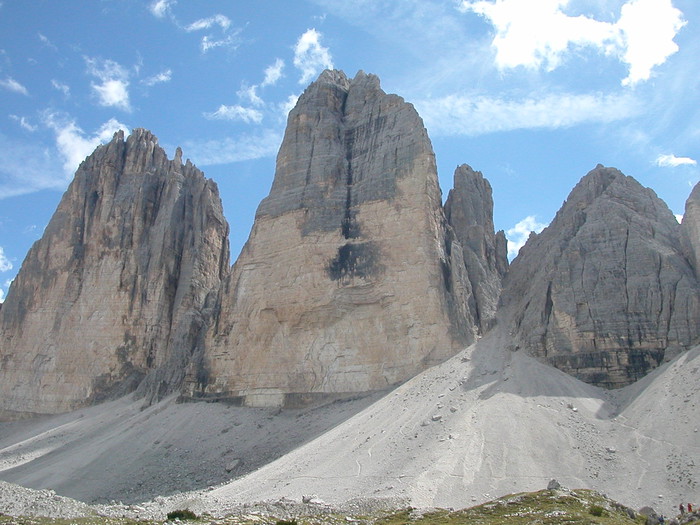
(596, 510)
(183, 514)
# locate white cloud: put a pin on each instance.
(240, 148)
(671, 161)
(113, 89)
(26, 167)
(23, 122)
(679, 217)
(63, 88)
(478, 115)
(161, 8)
(251, 93)
(206, 23)
(47, 42)
(72, 142)
(310, 57)
(539, 34)
(648, 28)
(536, 34)
(209, 43)
(2, 295)
(5, 263)
(12, 85)
(518, 234)
(288, 105)
(273, 73)
(160, 78)
(236, 112)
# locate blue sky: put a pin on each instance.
(532, 93)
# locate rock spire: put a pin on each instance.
(346, 283)
(115, 288)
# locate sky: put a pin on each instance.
(532, 93)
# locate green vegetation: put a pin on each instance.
(182, 515)
(546, 507)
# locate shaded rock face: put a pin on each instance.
(605, 288)
(690, 229)
(114, 292)
(469, 211)
(348, 282)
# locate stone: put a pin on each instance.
(115, 289)
(690, 229)
(605, 288)
(553, 485)
(347, 282)
(469, 211)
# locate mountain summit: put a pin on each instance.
(354, 279)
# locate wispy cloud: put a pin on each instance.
(479, 115)
(113, 87)
(671, 161)
(74, 144)
(5, 263)
(251, 94)
(26, 167)
(235, 149)
(518, 234)
(541, 34)
(310, 57)
(60, 86)
(44, 40)
(273, 73)
(236, 112)
(209, 42)
(12, 85)
(222, 21)
(162, 8)
(24, 123)
(160, 78)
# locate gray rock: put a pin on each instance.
(115, 289)
(605, 288)
(469, 210)
(690, 229)
(348, 282)
(553, 485)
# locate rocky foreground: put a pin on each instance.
(554, 505)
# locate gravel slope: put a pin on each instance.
(486, 423)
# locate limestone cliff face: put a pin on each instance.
(469, 211)
(115, 288)
(690, 230)
(605, 288)
(347, 283)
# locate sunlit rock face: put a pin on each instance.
(348, 282)
(114, 290)
(605, 289)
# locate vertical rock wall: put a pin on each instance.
(114, 289)
(346, 283)
(469, 210)
(605, 289)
